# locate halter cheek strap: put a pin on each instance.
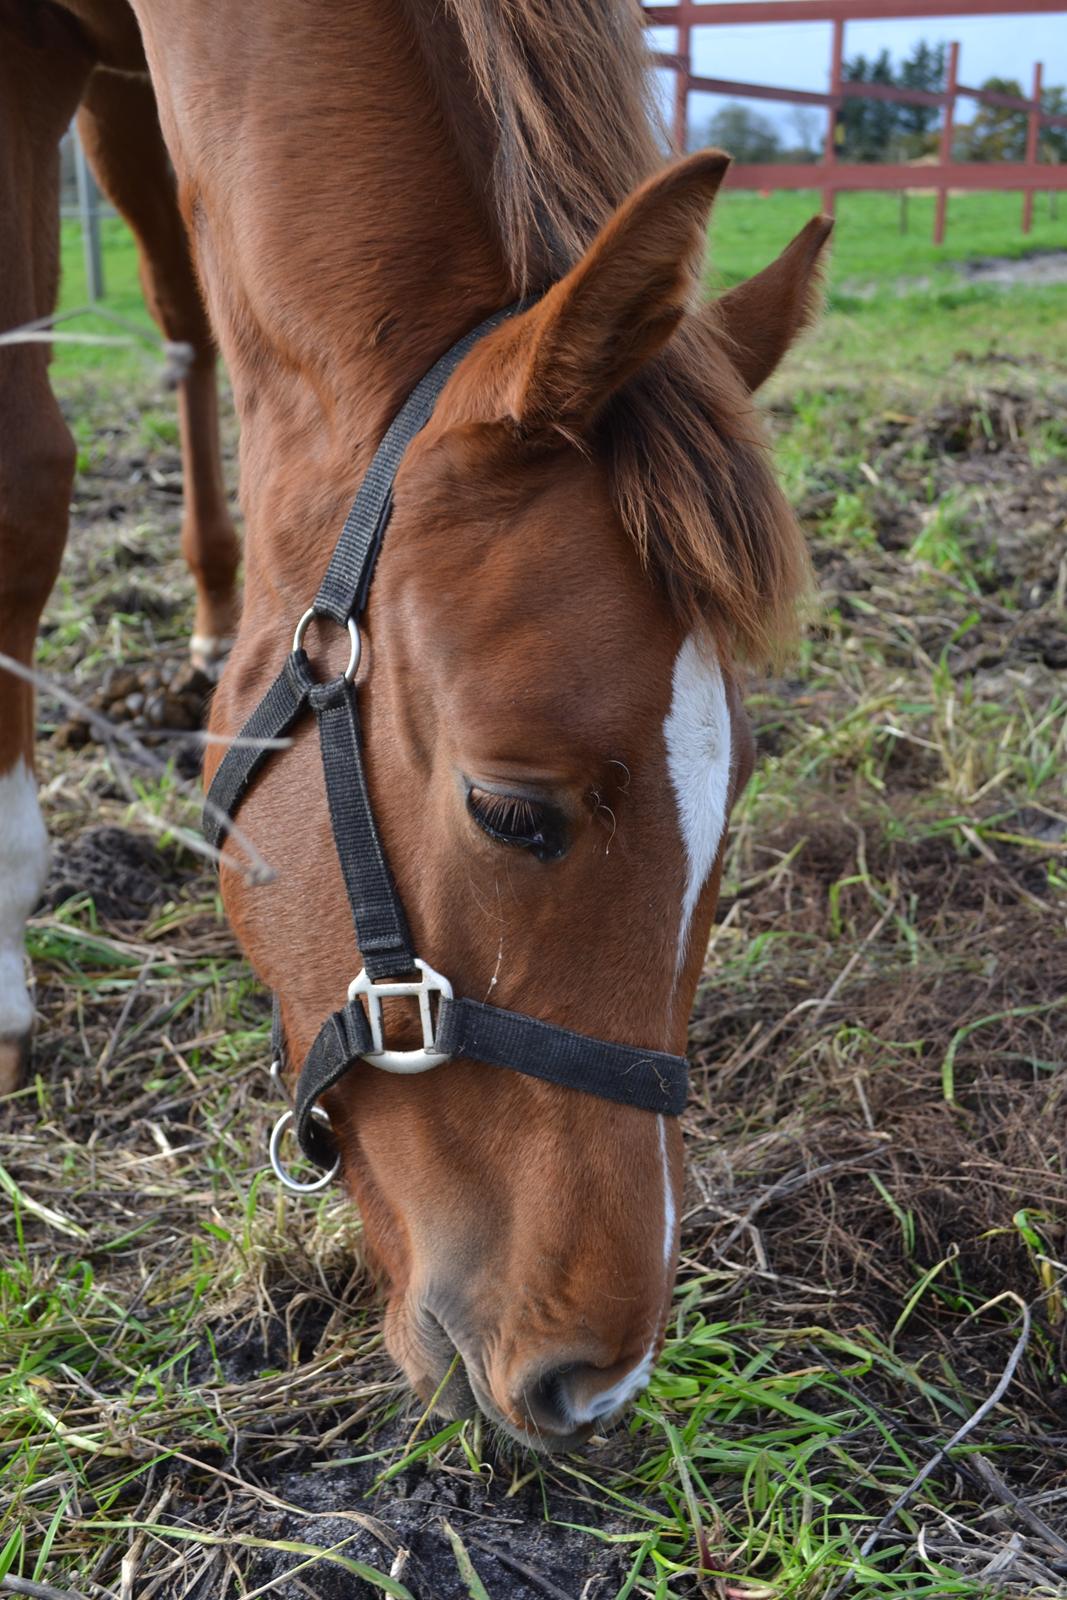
(451, 1028)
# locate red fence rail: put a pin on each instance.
(833, 175)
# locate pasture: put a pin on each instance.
(194, 1400)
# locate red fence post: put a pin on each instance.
(1032, 132)
(683, 50)
(830, 150)
(945, 155)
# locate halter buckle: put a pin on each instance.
(404, 1061)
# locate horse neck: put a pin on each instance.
(349, 242)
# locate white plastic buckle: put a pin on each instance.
(430, 982)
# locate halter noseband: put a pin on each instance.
(648, 1079)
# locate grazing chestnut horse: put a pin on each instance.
(86, 59)
(586, 543)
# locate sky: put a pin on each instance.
(796, 55)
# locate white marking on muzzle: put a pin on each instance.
(620, 1393)
(23, 869)
(668, 1195)
(636, 1379)
(697, 735)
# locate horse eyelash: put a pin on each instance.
(505, 813)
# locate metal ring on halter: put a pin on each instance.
(282, 1173)
(355, 641)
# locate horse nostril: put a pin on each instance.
(567, 1398)
(546, 1401)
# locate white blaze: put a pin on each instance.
(632, 1382)
(23, 868)
(697, 735)
(668, 1195)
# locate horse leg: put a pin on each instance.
(43, 66)
(119, 128)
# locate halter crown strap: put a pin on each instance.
(647, 1079)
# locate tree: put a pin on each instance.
(868, 125)
(923, 69)
(807, 125)
(876, 130)
(852, 115)
(1053, 141)
(744, 134)
(997, 134)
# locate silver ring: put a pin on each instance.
(354, 636)
(282, 1173)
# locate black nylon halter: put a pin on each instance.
(648, 1079)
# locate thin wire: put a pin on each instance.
(178, 353)
(255, 870)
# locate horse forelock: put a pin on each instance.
(566, 92)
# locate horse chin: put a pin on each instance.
(424, 1352)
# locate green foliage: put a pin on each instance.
(878, 130)
(996, 134)
(924, 69)
(746, 134)
(866, 127)
(1052, 144)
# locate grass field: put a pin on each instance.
(193, 1395)
(870, 252)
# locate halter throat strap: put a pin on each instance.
(453, 1028)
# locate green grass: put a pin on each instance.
(869, 252)
(882, 1028)
(869, 246)
(122, 295)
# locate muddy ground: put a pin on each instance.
(883, 1000)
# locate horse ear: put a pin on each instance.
(763, 316)
(619, 305)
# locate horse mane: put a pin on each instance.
(567, 86)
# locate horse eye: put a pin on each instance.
(515, 820)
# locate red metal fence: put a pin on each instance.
(830, 174)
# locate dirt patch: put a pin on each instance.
(1036, 270)
(162, 706)
(1044, 266)
(405, 1529)
(124, 874)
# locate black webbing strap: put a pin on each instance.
(343, 590)
(275, 714)
(343, 1038)
(647, 1079)
(381, 927)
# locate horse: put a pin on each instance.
(587, 548)
(55, 63)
